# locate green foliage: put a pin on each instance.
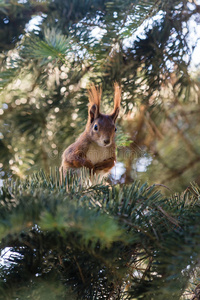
(7, 76)
(54, 46)
(98, 241)
(45, 75)
(122, 140)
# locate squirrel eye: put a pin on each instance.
(115, 128)
(95, 127)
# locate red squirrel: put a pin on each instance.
(95, 147)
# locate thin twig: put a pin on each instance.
(170, 218)
(158, 184)
(79, 268)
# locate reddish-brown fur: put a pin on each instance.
(95, 149)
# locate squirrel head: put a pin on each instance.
(101, 127)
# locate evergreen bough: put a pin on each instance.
(79, 241)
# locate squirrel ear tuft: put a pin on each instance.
(94, 95)
(117, 100)
(93, 112)
(94, 99)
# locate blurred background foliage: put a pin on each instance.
(52, 50)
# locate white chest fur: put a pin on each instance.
(97, 154)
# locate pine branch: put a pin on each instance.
(55, 46)
(119, 230)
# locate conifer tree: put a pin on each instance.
(125, 239)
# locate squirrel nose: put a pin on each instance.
(107, 141)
